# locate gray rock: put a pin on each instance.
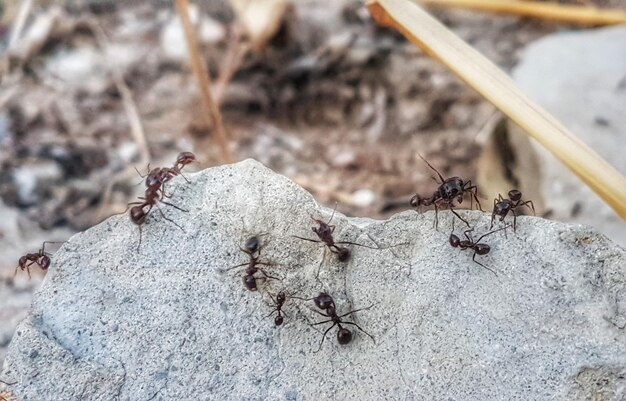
(112, 323)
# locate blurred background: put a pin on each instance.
(315, 90)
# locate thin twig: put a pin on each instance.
(20, 20)
(232, 61)
(486, 78)
(568, 13)
(199, 69)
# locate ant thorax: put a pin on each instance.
(451, 188)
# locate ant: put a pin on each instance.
(325, 233)
(253, 249)
(158, 176)
(155, 191)
(449, 190)
(326, 303)
(502, 206)
(280, 300)
(40, 258)
(478, 247)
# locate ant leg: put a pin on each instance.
(359, 327)
(493, 214)
(232, 267)
(267, 275)
(436, 217)
(467, 236)
(324, 336)
(174, 206)
(477, 262)
(168, 219)
(356, 310)
(306, 239)
(474, 191)
(459, 216)
(531, 206)
(514, 220)
(181, 174)
(354, 243)
(319, 267)
(271, 313)
(139, 244)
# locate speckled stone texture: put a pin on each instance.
(112, 323)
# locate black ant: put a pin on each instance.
(450, 189)
(502, 206)
(40, 258)
(253, 249)
(325, 233)
(326, 303)
(478, 247)
(280, 300)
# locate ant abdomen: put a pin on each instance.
(482, 249)
(250, 282)
(454, 240)
(515, 195)
(278, 320)
(343, 254)
(344, 336)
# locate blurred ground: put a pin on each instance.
(334, 102)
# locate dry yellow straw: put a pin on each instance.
(582, 15)
(436, 40)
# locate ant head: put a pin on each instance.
(454, 240)
(416, 201)
(252, 244)
(44, 263)
(137, 215)
(344, 336)
(278, 320)
(324, 301)
(281, 297)
(482, 249)
(250, 282)
(515, 195)
(154, 177)
(185, 158)
(343, 254)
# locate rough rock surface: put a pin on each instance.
(111, 323)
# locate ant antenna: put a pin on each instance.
(333, 214)
(491, 232)
(429, 165)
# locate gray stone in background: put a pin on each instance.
(113, 324)
(580, 77)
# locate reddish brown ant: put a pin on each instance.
(253, 249)
(450, 189)
(468, 243)
(502, 206)
(326, 303)
(155, 191)
(325, 233)
(40, 258)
